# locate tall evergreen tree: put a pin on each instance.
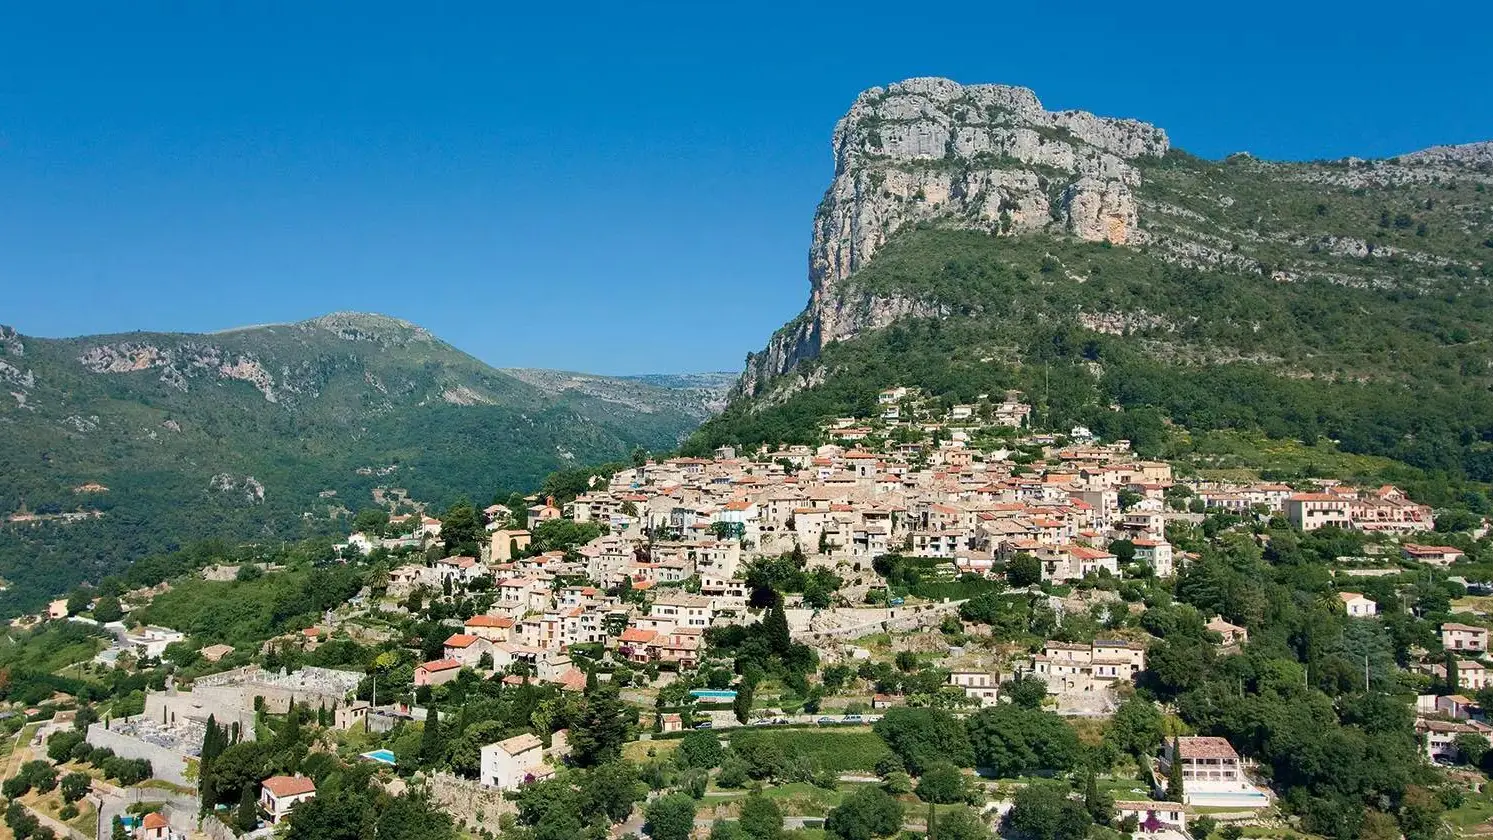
(247, 816)
(1099, 805)
(742, 703)
(432, 744)
(597, 737)
(289, 734)
(775, 628)
(214, 741)
(1174, 774)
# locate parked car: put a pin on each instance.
(827, 720)
(705, 724)
(852, 719)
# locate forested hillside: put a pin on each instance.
(120, 446)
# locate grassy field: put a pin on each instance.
(1473, 604)
(796, 799)
(1273, 832)
(1241, 456)
(638, 751)
(1126, 789)
(838, 750)
(1476, 809)
(51, 803)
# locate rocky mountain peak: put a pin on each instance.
(368, 326)
(982, 157)
(1478, 155)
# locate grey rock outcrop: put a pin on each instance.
(983, 157)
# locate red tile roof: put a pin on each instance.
(1206, 747)
(281, 786)
(440, 665)
(489, 621)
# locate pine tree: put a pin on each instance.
(1174, 774)
(118, 832)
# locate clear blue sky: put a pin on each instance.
(618, 187)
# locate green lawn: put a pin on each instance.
(1122, 788)
(838, 749)
(1475, 810)
(637, 751)
(796, 799)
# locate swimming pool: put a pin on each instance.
(713, 694)
(381, 756)
(1228, 798)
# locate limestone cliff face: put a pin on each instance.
(984, 157)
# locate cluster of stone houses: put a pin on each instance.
(683, 530)
(1384, 509)
(1088, 668)
(847, 503)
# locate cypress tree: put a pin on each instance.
(932, 822)
(248, 813)
(775, 628)
(1174, 774)
(214, 740)
(290, 734)
(432, 746)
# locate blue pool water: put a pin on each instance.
(1240, 799)
(382, 756)
(713, 694)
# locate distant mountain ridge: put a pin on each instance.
(270, 431)
(694, 394)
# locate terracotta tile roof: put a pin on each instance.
(520, 743)
(460, 640)
(440, 665)
(282, 786)
(1206, 747)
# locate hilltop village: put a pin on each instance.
(937, 609)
